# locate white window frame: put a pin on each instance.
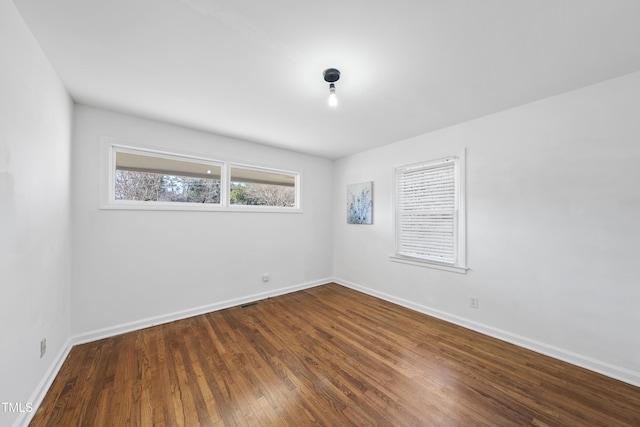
(110, 146)
(459, 239)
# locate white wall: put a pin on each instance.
(553, 199)
(132, 266)
(35, 273)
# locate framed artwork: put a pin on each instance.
(360, 203)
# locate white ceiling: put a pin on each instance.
(253, 68)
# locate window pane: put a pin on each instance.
(261, 188)
(143, 177)
(426, 218)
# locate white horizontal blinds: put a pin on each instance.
(427, 211)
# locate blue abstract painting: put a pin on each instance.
(360, 203)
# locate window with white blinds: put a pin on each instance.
(430, 212)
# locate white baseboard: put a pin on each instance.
(178, 315)
(36, 398)
(604, 368)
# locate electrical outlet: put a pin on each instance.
(43, 347)
(266, 277)
(473, 302)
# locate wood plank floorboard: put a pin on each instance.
(325, 356)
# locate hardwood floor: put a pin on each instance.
(325, 356)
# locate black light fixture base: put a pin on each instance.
(331, 75)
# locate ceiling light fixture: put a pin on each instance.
(331, 75)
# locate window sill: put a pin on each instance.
(428, 264)
(159, 206)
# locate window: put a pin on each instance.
(146, 177)
(429, 214)
(250, 186)
(140, 178)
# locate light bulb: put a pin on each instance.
(333, 99)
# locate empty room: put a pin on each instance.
(246, 213)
